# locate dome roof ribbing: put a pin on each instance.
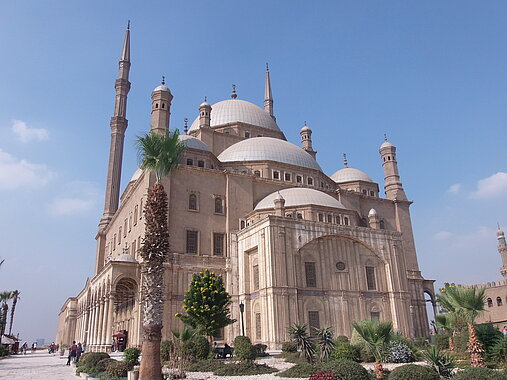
(350, 175)
(299, 196)
(193, 143)
(234, 110)
(269, 149)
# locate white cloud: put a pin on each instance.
(443, 235)
(16, 173)
(80, 198)
(491, 187)
(475, 239)
(25, 134)
(453, 189)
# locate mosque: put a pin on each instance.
(293, 244)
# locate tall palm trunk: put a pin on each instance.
(13, 308)
(154, 251)
(475, 348)
(379, 371)
(5, 308)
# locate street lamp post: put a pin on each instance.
(241, 311)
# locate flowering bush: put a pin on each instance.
(321, 375)
(398, 352)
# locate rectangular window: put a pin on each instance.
(370, 278)
(218, 244)
(299, 179)
(257, 173)
(310, 181)
(190, 162)
(258, 326)
(375, 316)
(313, 322)
(311, 275)
(133, 252)
(255, 270)
(200, 164)
(321, 217)
(372, 193)
(119, 235)
(114, 242)
(276, 175)
(125, 227)
(192, 241)
(330, 218)
(337, 219)
(287, 176)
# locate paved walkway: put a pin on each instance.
(36, 366)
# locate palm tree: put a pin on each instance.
(303, 342)
(376, 335)
(4, 298)
(468, 304)
(325, 342)
(15, 298)
(446, 323)
(158, 154)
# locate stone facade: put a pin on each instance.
(293, 244)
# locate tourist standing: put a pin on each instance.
(72, 353)
(79, 351)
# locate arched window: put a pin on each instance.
(346, 220)
(337, 219)
(490, 302)
(219, 209)
(156, 105)
(498, 301)
(257, 173)
(163, 105)
(136, 211)
(192, 202)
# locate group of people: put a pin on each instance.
(52, 348)
(504, 331)
(24, 347)
(75, 352)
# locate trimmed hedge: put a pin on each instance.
(413, 372)
(345, 351)
(118, 369)
(199, 347)
(243, 349)
(479, 373)
(103, 364)
(346, 370)
(303, 369)
(90, 359)
(132, 356)
(209, 365)
(242, 369)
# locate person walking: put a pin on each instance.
(72, 353)
(79, 351)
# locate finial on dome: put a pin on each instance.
(234, 95)
(163, 80)
(128, 25)
(385, 136)
(205, 98)
(185, 128)
(267, 67)
(345, 163)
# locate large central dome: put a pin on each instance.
(236, 110)
(268, 149)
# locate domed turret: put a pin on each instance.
(161, 98)
(306, 140)
(204, 114)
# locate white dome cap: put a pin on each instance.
(372, 212)
(386, 144)
(269, 149)
(162, 87)
(234, 110)
(193, 143)
(125, 257)
(350, 175)
(299, 196)
(136, 175)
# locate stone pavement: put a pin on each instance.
(36, 366)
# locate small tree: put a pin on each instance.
(207, 304)
(325, 342)
(303, 341)
(376, 336)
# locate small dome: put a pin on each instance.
(350, 175)
(386, 144)
(306, 128)
(299, 196)
(125, 257)
(204, 104)
(136, 175)
(162, 87)
(279, 197)
(372, 212)
(236, 110)
(193, 143)
(269, 149)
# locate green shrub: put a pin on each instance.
(84, 369)
(365, 354)
(346, 370)
(103, 364)
(441, 341)
(488, 335)
(260, 350)
(209, 365)
(165, 350)
(90, 360)
(341, 338)
(289, 347)
(398, 352)
(131, 355)
(413, 372)
(479, 373)
(461, 341)
(303, 369)
(293, 357)
(243, 349)
(118, 369)
(321, 375)
(243, 369)
(441, 361)
(345, 351)
(4, 351)
(199, 347)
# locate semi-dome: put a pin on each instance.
(299, 196)
(350, 175)
(269, 149)
(193, 143)
(234, 110)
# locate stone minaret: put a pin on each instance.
(268, 96)
(204, 114)
(306, 140)
(161, 98)
(392, 185)
(118, 126)
(502, 249)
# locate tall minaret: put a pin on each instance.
(502, 249)
(118, 126)
(268, 96)
(392, 185)
(161, 98)
(306, 140)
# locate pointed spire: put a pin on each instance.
(185, 128)
(163, 80)
(234, 95)
(385, 136)
(125, 53)
(268, 95)
(345, 163)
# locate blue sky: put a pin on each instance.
(429, 74)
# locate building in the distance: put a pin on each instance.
(294, 245)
